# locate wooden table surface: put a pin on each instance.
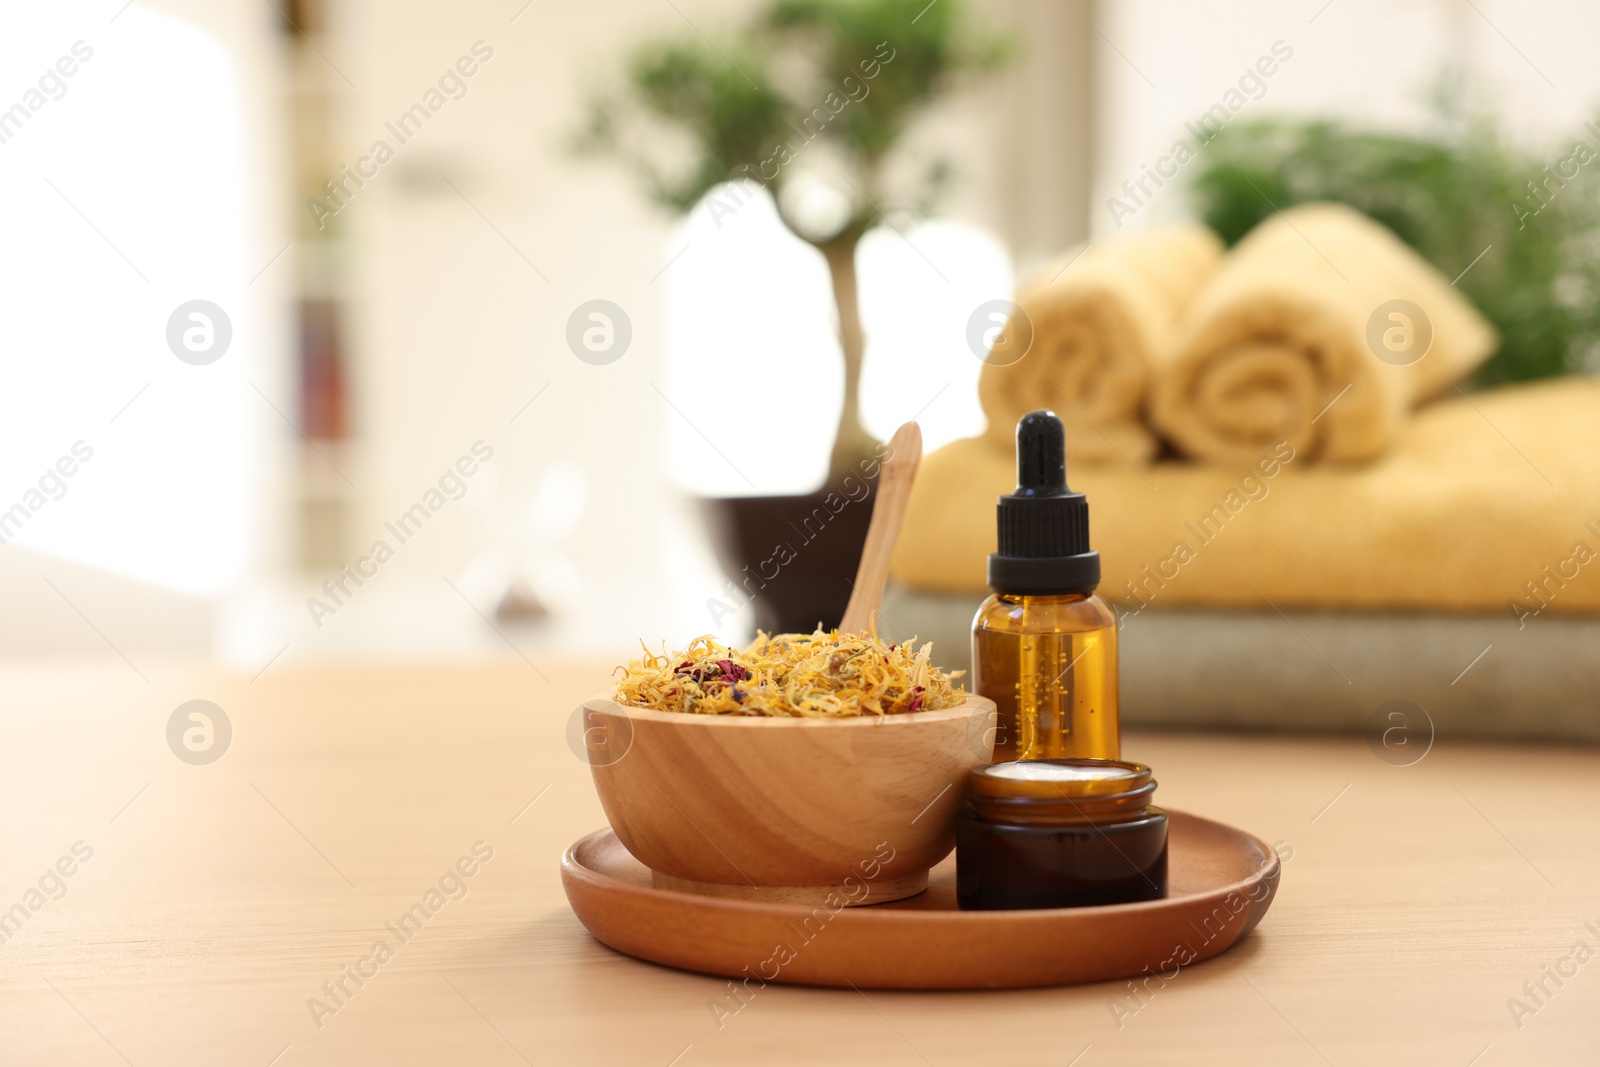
(218, 899)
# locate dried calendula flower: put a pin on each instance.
(821, 674)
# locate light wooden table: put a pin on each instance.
(218, 899)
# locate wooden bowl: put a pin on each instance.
(791, 810)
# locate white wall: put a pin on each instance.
(471, 249)
(1163, 62)
(474, 246)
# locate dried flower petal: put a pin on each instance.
(822, 674)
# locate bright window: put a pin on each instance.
(129, 196)
(754, 364)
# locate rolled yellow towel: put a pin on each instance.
(1488, 504)
(1100, 318)
(1311, 333)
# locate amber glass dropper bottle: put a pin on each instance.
(1044, 647)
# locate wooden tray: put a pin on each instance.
(1222, 881)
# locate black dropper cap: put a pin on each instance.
(1044, 526)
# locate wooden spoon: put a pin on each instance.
(898, 471)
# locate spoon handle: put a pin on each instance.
(898, 471)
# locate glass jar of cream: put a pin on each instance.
(1060, 833)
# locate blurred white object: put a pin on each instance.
(140, 196)
(55, 608)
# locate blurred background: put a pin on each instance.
(536, 313)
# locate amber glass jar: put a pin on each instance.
(1060, 833)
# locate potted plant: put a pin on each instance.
(807, 102)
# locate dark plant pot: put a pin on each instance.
(809, 584)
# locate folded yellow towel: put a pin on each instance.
(1487, 503)
(1281, 345)
(1100, 318)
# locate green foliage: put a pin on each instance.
(827, 86)
(929, 54)
(1449, 197)
(689, 84)
(867, 67)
